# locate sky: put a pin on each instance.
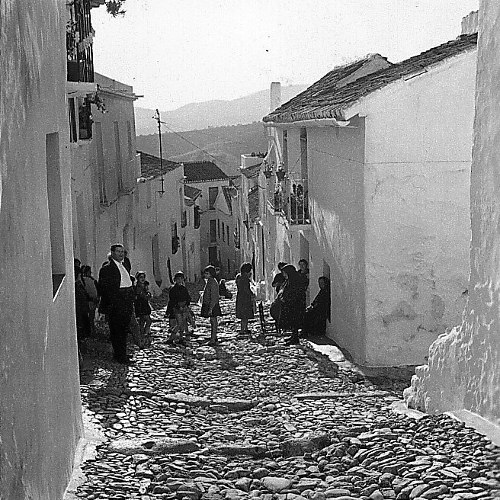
(177, 52)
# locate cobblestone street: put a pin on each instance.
(256, 418)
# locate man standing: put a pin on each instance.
(117, 301)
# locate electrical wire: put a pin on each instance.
(196, 146)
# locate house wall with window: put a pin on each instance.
(388, 207)
(462, 375)
(40, 416)
(215, 214)
(105, 169)
(158, 233)
(190, 242)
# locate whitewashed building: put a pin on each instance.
(40, 416)
(105, 168)
(217, 219)
(375, 163)
(463, 372)
(159, 207)
(250, 229)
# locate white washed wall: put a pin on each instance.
(418, 153)
(40, 414)
(336, 185)
(464, 366)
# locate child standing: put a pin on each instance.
(178, 308)
(210, 307)
(142, 307)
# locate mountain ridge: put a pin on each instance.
(202, 115)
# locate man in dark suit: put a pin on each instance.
(117, 301)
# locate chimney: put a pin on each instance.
(470, 23)
(275, 95)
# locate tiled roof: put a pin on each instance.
(252, 171)
(325, 99)
(191, 192)
(322, 93)
(199, 171)
(253, 203)
(150, 165)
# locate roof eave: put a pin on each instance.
(313, 122)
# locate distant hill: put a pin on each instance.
(223, 145)
(202, 115)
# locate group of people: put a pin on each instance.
(124, 301)
(289, 307)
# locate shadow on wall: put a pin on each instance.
(339, 287)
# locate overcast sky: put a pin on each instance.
(179, 51)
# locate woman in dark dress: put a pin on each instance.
(319, 311)
(293, 303)
(244, 296)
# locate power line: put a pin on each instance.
(196, 146)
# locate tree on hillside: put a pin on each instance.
(114, 7)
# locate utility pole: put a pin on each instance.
(158, 119)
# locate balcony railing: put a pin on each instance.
(292, 200)
(79, 39)
(299, 203)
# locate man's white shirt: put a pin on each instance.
(125, 281)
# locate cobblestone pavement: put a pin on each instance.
(256, 418)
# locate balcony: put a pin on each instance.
(79, 39)
(291, 199)
(299, 203)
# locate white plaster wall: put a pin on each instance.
(40, 416)
(157, 219)
(103, 224)
(418, 154)
(336, 187)
(464, 366)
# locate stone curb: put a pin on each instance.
(335, 395)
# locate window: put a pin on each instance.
(212, 256)
(212, 196)
(73, 136)
(175, 238)
(118, 156)
(213, 231)
(149, 194)
(55, 207)
(218, 228)
(227, 234)
(196, 217)
(223, 233)
(155, 251)
(84, 119)
(228, 266)
(303, 152)
(184, 218)
(285, 150)
(101, 175)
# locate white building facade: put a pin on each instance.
(383, 166)
(463, 372)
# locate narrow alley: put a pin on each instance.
(256, 418)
